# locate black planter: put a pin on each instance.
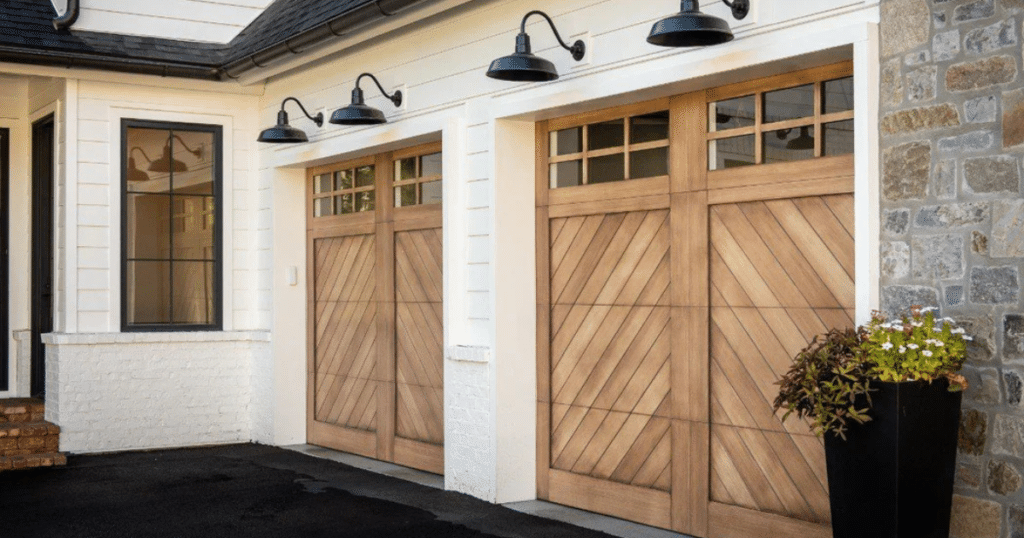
(893, 477)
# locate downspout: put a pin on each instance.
(339, 26)
(69, 17)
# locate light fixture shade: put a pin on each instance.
(522, 66)
(359, 113)
(134, 174)
(282, 133)
(690, 29)
(167, 163)
(803, 142)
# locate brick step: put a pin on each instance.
(21, 410)
(29, 461)
(28, 438)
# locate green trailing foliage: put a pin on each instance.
(829, 383)
(826, 383)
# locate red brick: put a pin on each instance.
(53, 443)
(32, 443)
(8, 444)
(13, 409)
(38, 417)
(5, 464)
(60, 459)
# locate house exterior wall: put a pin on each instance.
(105, 388)
(952, 126)
(213, 21)
(14, 116)
(487, 127)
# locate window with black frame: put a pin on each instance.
(171, 226)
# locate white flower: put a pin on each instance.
(926, 353)
(886, 325)
(913, 346)
(917, 324)
(903, 349)
(968, 338)
(929, 309)
(936, 330)
(887, 345)
(938, 343)
(958, 330)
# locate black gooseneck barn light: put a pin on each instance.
(523, 66)
(282, 133)
(691, 28)
(167, 162)
(358, 112)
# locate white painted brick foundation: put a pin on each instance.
(152, 390)
(470, 448)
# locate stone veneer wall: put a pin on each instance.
(953, 221)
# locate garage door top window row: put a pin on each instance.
(793, 120)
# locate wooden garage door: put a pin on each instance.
(375, 251)
(688, 248)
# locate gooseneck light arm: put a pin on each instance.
(137, 148)
(578, 49)
(318, 119)
(396, 98)
(740, 8)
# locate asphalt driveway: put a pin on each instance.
(245, 491)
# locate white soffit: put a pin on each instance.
(208, 21)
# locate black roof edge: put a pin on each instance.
(110, 63)
(232, 68)
(343, 24)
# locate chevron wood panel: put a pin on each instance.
(611, 259)
(610, 348)
(628, 448)
(782, 253)
(420, 372)
(345, 362)
(345, 268)
(612, 357)
(781, 273)
(770, 472)
(418, 263)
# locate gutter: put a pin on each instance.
(344, 24)
(118, 64)
(69, 17)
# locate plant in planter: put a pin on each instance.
(827, 383)
(891, 446)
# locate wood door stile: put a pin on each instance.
(375, 320)
(667, 307)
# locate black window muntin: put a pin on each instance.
(218, 188)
